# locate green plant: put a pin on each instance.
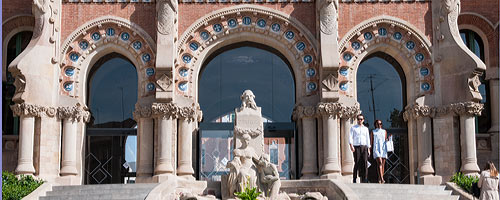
(463, 181)
(14, 188)
(248, 193)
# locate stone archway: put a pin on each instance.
(247, 23)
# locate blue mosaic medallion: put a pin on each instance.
(186, 59)
(368, 36)
(184, 72)
(419, 57)
(397, 36)
(410, 45)
(96, 36)
(110, 31)
(424, 71)
(217, 28)
(68, 86)
(289, 35)
(125, 36)
(344, 71)
(247, 20)
(347, 56)
(232, 23)
(276, 27)
(193, 46)
(344, 86)
(308, 59)
(146, 57)
(150, 72)
(425, 86)
(204, 35)
(310, 72)
(183, 86)
(300, 46)
(382, 31)
(150, 87)
(83, 44)
(261, 23)
(356, 45)
(137, 45)
(311, 86)
(70, 71)
(73, 57)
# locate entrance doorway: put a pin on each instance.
(381, 93)
(110, 155)
(225, 75)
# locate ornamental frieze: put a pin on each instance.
(300, 112)
(75, 113)
(168, 111)
(463, 108)
(338, 109)
(165, 110)
(251, 132)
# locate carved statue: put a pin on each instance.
(474, 83)
(166, 10)
(234, 170)
(328, 16)
(248, 100)
(247, 173)
(269, 178)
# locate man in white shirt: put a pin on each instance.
(359, 140)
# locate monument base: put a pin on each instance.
(431, 180)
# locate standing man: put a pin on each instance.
(359, 140)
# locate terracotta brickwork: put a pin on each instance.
(417, 13)
(486, 8)
(190, 12)
(13, 23)
(17, 7)
(74, 15)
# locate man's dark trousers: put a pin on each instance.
(360, 162)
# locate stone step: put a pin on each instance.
(96, 197)
(397, 186)
(105, 191)
(404, 191)
(389, 196)
(105, 186)
(401, 191)
(83, 191)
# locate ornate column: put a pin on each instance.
(27, 113)
(164, 114)
(331, 164)
(347, 114)
(145, 149)
(70, 117)
(187, 115)
(309, 145)
(467, 111)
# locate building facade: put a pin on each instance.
(99, 90)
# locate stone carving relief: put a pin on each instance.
(308, 196)
(166, 12)
(168, 111)
(328, 16)
(75, 113)
(141, 112)
(164, 83)
(474, 82)
(165, 110)
(330, 82)
(463, 108)
(269, 178)
(248, 100)
(337, 109)
(39, 9)
(300, 112)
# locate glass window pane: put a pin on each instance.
(216, 151)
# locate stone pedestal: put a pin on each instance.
(26, 141)
(68, 162)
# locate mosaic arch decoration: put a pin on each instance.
(394, 33)
(210, 30)
(106, 31)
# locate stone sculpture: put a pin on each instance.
(269, 178)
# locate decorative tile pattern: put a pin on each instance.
(110, 31)
(425, 86)
(424, 71)
(310, 72)
(232, 23)
(311, 86)
(261, 23)
(344, 71)
(150, 72)
(83, 44)
(183, 86)
(204, 35)
(289, 35)
(217, 28)
(247, 21)
(382, 31)
(73, 57)
(150, 87)
(193, 46)
(368, 36)
(419, 57)
(186, 58)
(300, 46)
(125, 36)
(410, 45)
(96, 36)
(397, 36)
(137, 45)
(146, 57)
(184, 72)
(356, 45)
(344, 86)
(68, 86)
(276, 27)
(347, 56)
(307, 59)
(70, 71)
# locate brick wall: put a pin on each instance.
(75, 15)
(417, 14)
(15, 7)
(486, 8)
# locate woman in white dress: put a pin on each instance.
(379, 136)
(488, 182)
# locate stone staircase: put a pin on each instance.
(106, 191)
(401, 192)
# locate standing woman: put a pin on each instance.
(379, 136)
(488, 182)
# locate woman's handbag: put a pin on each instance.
(389, 145)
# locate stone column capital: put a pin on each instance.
(193, 113)
(75, 113)
(31, 110)
(468, 108)
(337, 109)
(415, 111)
(161, 110)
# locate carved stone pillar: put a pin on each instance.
(347, 156)
(164, 115)
(424, 140)
(187, 115)
(309, 144)
(467, 111)
(331, 163)
(70, 117)
(145, 149)
(26, 140)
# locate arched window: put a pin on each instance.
(225, 75)
(474, 42)
(10, 124)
